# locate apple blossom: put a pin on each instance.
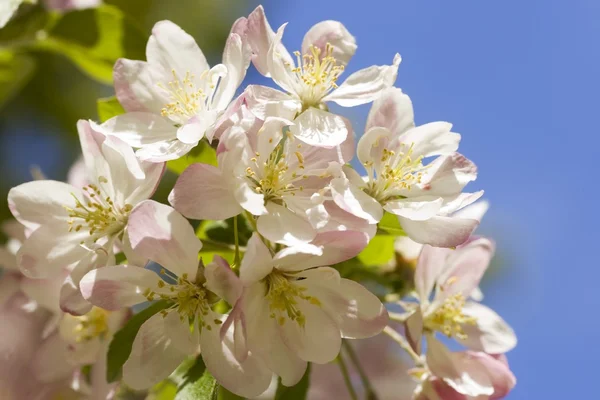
(311, 81)
(268, 173)
(174, 99)
(423, 197)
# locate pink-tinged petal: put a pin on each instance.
(91, 138)
(257, 262)
(201, 192)
(354, 201)
(265, 102)
(71, 300)
(332, 33)
(269, 136)
(429, 269)
(182, 338)
(280, 63)
(133, 258)
(171, 48)
(236, 57)
(316, 158)
(283, 226)
(413, 329)
(334, 246)
(452, 204)
(222, 281)
(9, 286)
(474, 211)
(49, 249)
(193, 130)
(365, 85)
(392, 110)
(357, 312)
(115, 287)
(439, 231)
(415, 208)
(153, 355)
(45, 292)
(161, 234)
(448, 175)
(135, 87)
(432, 139)
(371, 145)
(464, 268)
(283, 361)
(320, 128)
(49, 363)
(260, 37)
(318, 341)
(490, 333)
(164, 151)
(42, 202)
(497, 368)
(139, 129)
(464, 377)
(77, 175)
(102, 389)
(249, 378)
(247, 197)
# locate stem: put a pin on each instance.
(346, 376)
(208, 243)
(370, 392)
(236, 260)
(398, 338)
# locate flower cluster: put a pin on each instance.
(83, 253)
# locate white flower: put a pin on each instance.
(423, 197)
(293, 310)
(189, 323)
(311, 80)
(77, 229)
(174, 99)
(444, 281)
(266, 172)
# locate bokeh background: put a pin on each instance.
(519, 80)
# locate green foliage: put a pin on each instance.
(197, 384)
(15, 72)
(379, 251)
(24, 27)
(222, 231)
(122, 343)
(109, 107)
(202, 153)
(389, 225)
(297, 392)
(225, 394)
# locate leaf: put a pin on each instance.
(122, 342)
(15, 72)
(297, 392)
(389, 225)
(164, 390)
(379, 251)
(23, 28)
(202, 153)
(198, 384)
(225, 394)
(109, 107)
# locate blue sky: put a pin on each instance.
(519, 81)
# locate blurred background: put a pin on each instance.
(519, 81)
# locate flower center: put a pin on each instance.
(189, 299)
(273, 177)
(315, 75)
(283, 295)
(98, 214)
(91, 325)
(394, 174)
(187, 100)
(449, 317)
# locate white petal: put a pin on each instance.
(257, 262)
(115, 287)
(319, 128)
(153, 356)
(201, 192)
(164, 151)
(392, 110)
(371, 144)
(332, 33)
(491, 334)
(432, 139)
(439, 231)
(161, 234)
(415, 208)
(49, 363)
(283, 226)
(354, 201)
(265, 102)
(136, 88)
(447, 176)
(414, 330)
(222, 281)
(251, 201)
(474, 211)
(283, 361)
(280, 63)
(139, 129)
(429, 269)
(236, 57)
(365, 85)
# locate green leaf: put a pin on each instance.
(198, 384)
(225, 394)
(222, 231)
(164, 390)
(15, 72)
(389, 225)
(94, 39)
(23, 28)
(122, 342)
(297, 392)
(109, 107)
(379, 251)
(202, 153)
